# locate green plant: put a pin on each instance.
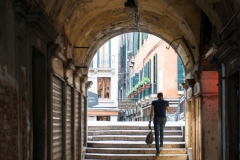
(146, 80)
(139, 85)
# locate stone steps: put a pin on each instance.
(137, 156)
(131, 138)
(130, 132)
(132, 144)
(120, 127)
(136, 150)
(126, 141)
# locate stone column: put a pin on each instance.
(209, 112)
(83, 81)
(187, 120)
(191, 122)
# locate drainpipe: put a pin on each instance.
(223, 115)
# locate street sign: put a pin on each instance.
(92, 99)
(126, 105)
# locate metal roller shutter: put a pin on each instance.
(82, 121)
(57, 119)
(68, 124)
(77, 95)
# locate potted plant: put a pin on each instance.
(135, 91)
(140, 86)
(146, 81)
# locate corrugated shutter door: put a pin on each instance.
(77, 95)
(82, 119)
(68, 124)
(57, 119)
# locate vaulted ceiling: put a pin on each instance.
(89, 23)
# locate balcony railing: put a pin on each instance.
(103, 62)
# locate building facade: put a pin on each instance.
(104, 75)
(148, 59)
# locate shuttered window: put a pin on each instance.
(98, 59)
(180, 73)
(68, 123)
(57, 121)
(77, 130)
(150, 76)
(123, 55)
(136, 38)
(155, 74)
(82, 121)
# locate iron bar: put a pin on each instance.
(229, 22)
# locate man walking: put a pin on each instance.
(159, 108)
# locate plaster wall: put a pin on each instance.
(166, 66)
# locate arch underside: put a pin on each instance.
(90, 23)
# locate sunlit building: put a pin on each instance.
(151, 66)
(104, 75)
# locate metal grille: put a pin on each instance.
(68, 124)
(57, 119)
(77, 95)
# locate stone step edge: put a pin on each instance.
(135, 155)
(132, 136)
(136, 149)
(165, 130)
(131, 127)
(131, 142)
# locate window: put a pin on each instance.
(180, 74)
(104, 56)
(104, 87)
(155, 62)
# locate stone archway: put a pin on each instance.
(83, 26)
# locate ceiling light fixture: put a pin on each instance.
(130, 7)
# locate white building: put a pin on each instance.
(103, 72)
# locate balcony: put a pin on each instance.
(103, 63)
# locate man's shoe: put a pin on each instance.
(158, 152)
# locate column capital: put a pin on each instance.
(83, 70)
(89, 84)
(184, 86)
(190, 82)
(69, 65)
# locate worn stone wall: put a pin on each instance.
(9, 100)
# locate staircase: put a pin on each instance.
(126, 140)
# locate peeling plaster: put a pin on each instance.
(6, 79)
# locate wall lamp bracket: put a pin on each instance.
(184, 40)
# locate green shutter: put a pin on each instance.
(155, 75)
(150, 76)
(136, 43)
(180, 73)
(141, 72)
(156, 72)
(137, 78)
(98, 59)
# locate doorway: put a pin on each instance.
(233, 117)
(39, 105)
